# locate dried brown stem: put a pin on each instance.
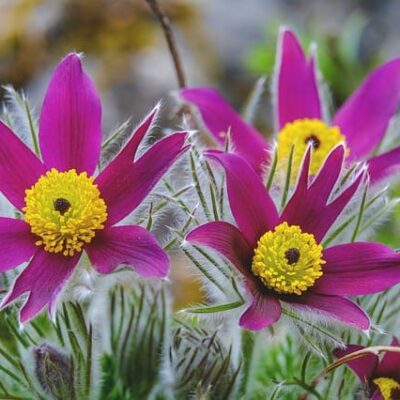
(169, 36)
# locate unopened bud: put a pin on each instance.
(54, 371)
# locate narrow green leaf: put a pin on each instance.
(275, 393)
(272, 169)
(203, 270)
(288, 178)
(360, 215)
(315, 327)
(199, 191)
(214, 203)
(214, 309)
(116, 133)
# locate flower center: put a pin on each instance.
(300, 134)
(61, 205)
(288, 260)
(64, 209)
(292, 255)
(386, 386)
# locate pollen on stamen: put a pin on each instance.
(64, 209)
(386, 387)
(288, 260)
(300, 134)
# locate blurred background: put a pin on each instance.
(223, 43)
(227, 44)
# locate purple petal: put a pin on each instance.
(263, 311)
(131, 245)
(252, 207)
(384, 165)
(124, 184)
(19, 167)
(335, 208)
(390, 364)
(43, 278)
(308, 206)
(358, 269)
(377, 395)
(70, 121)
(328, 174)
(365, 116)
(17, 244)
(128, 152)
(220, 118)
(364, 367)
(335, 307)
(227, 240)
(323, 184)
(297, 83)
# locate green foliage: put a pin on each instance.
(48, 360)
(139, 332)
(202, 362)
(112, 387)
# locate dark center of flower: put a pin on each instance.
(292, 255)
(61, 205)
(314, 141)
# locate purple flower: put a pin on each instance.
(382, 376)
(361, 122)
(280, 255)
(65, 208)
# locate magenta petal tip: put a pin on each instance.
(70, 119)
(297, 87)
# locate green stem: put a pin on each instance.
(308, 388)
(251, 351)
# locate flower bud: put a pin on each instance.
(54, 371)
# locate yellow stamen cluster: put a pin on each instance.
(300, 134)
(64, 209)
(386, 387)
(288, 260)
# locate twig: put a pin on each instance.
(167, 29)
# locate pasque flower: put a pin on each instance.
(382, 376)
(65, 208)
(281, 256)
(361, 122)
